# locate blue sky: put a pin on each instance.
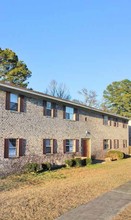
(82, 43)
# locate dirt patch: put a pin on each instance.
(48, 195)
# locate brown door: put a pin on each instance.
(86, 148)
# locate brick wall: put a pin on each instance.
(34, 127)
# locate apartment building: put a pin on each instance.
(35, 127)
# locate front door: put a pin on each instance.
(86, 147)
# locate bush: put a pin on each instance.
(88, 161)
(69, 163)
(46, 166)
(115, 155)
(32, 167)
(78, 162)
(93, 156)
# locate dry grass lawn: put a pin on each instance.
(124, 214)
(50, 194)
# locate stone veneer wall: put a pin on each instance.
(34, 127)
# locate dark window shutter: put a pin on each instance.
(64, 146)
(54, 110)
(77, 145)
(110, 144)
(117, 143)
(6, 148)
(44, 147)
(103, 120)
(44, 107)
(21, 147)
(54, 146)
(104, 146)
(64, 112)
(76, 112)
(7, 104)
(21, 103)
(110, 121)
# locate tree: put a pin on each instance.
(12, 69)
(89, 97)
(58, 90)
(117, 97)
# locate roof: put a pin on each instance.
(28, 92)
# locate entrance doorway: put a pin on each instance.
(86, 147)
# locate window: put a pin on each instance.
(71, 145)
(50, 109)
(69, 113)
(14, 102)
(124, 143)
(14, 148)
(116, 124)
(107, 144)
(110, 121)
(49, 146)
(105, 120)
(116, 143)
(124, 124)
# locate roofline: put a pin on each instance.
(10, 86)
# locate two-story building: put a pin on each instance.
(35, 127)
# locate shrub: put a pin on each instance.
(78, 162)
(46, 166)
(93, 156)
(69, 163)
(32, 167)
(83, 162)
(115, 154)
(88, 161)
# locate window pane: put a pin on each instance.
(48, 150)
(13, 106)
(48, 105)
(12, 148)
(13, 98)
(69, 145)
(48, 112)
(13, 102)
(69, 113)
(105, 120)
(47, 142)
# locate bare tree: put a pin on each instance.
(58, 90)
(89, 97)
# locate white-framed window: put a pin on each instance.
(116, 143)
(48, 108)
(106, 144)
(69, 113)
(69, 145)
(12, 148)
(13, 102)
(48, 146)
(124, 143)
(116, 124)
(105, 120)
(124, 124)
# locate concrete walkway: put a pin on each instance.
(104, 207)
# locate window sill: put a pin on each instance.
(15, 112)
(69, 120)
